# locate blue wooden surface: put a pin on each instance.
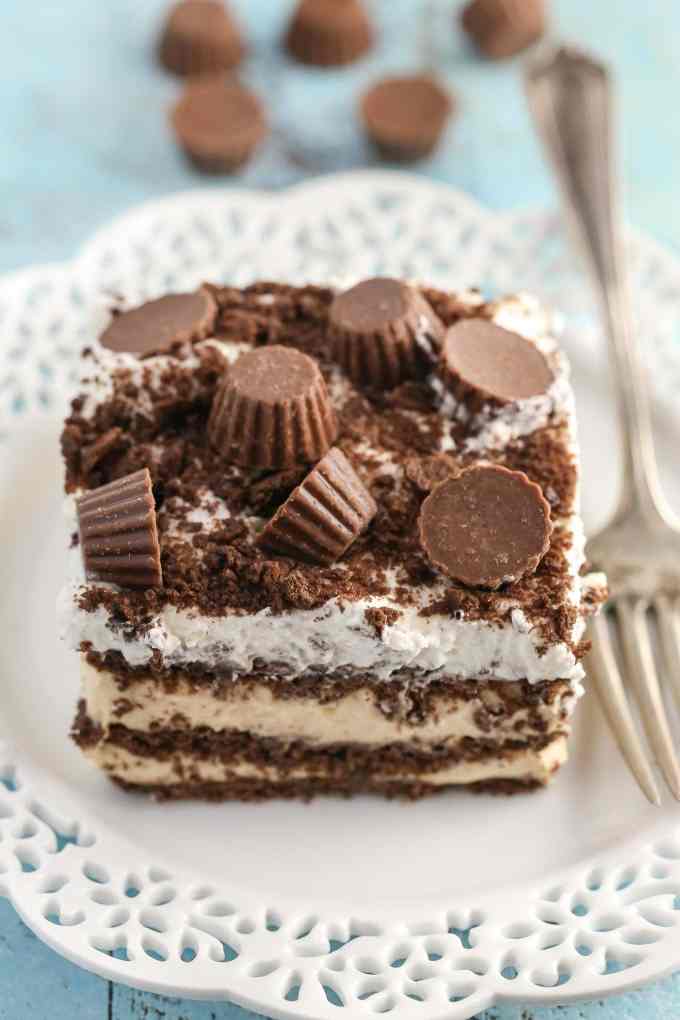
(83, 137)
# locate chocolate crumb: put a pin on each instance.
(92, 454)
(265, 495)
(381, 617)
(427, 472)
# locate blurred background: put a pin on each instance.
(84, 132)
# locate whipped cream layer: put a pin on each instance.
(333, 639)
(354, 717)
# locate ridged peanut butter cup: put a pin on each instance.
(329, 33)
(218, 123)
(118, 533)
(324, 515)
(383, 332)
(200, 36)
(502, 28)
(272, 410)
(486, 526)
(405, 117)
(484, 364)
(156, 326)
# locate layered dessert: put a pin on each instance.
(325, 541)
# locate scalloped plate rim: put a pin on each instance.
(113, 969)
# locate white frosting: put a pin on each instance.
(97, 385)
(334, 638)
(501, 426)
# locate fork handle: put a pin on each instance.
(570, 96)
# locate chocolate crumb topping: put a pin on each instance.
(220, 569)
(428, 472)
(485, 527)
(380, 617)
(94, 453)
(266, 495)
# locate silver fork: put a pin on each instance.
(570, 96)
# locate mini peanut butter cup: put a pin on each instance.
(324, 515)
(486, 526)
(156, 326)
(118, 533)
(383, 332)
(200, 36)
(272, 410)
(329, 33)
(218, 123)
(405, 117)
(502, 28)
(482, 363)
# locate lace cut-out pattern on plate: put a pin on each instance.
(606, 926)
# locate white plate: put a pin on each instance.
(427, 910)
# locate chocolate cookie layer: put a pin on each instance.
(159, 325)
(324, 515)
(218, 123)
(256, 790)
(382, 332)
(340, 759)
(329, 33)
(200, 36)
(272, 410)
(502, 28)
(118, 533)
(482, 363)
(485, 527)
(405, 117)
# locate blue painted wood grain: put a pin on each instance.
(83, 136)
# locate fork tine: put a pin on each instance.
(605, 672)
(637, 650)
(668, 618)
